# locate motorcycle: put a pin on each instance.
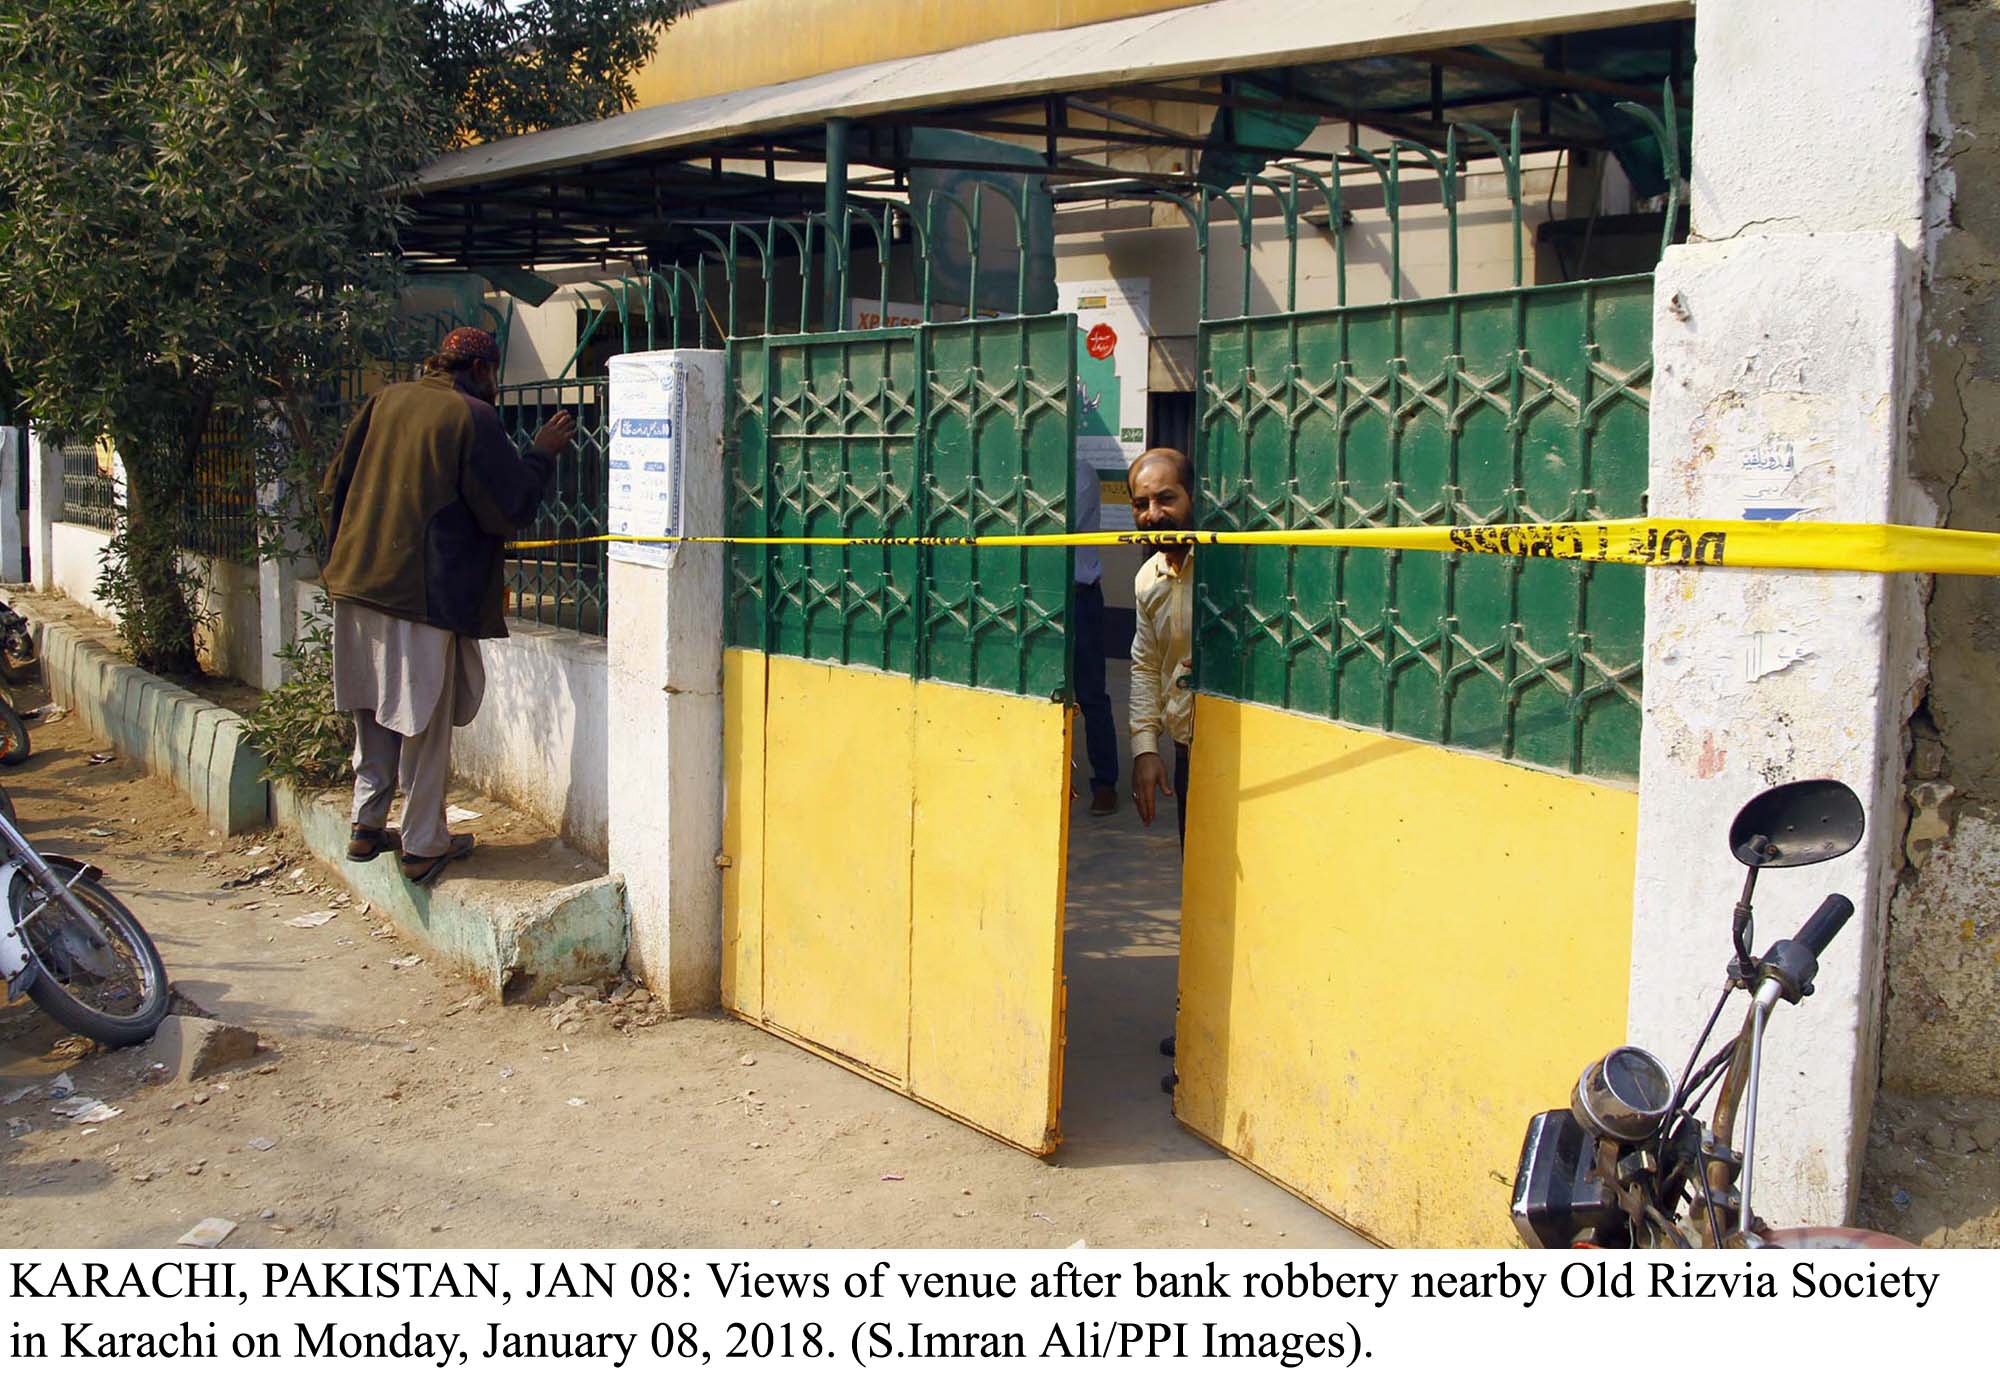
(17, 652)
(1630, 1163)
(17, 642)
(72, 948)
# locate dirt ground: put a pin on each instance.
(402, 1110)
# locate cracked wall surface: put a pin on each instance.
(1943, 977)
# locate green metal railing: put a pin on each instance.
(563, 587)
(764, 278)
(88, 497)
(219, 511)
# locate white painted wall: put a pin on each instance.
(1782, 337)
(1772, 78)
(539, 740)
(230, 644)
(540, 339)
(76, 556)
(230, 641)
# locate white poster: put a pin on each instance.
(648, 414)
(1113, 359)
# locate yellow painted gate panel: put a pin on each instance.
(895, 894)
(992, 815)
(743, 831)
(838, 781)
(1391, 956)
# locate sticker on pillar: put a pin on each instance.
(648, 416)
(1763, 483)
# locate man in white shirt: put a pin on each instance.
(1087, 650)
(1162, 485)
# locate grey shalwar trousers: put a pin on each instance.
(407, 686)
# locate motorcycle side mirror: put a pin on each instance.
(1797, 824)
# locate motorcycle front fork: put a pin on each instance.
(49, 882)
(1729, 1182)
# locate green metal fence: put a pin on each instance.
(1526, 403)
(929, 431)
(87, 494)
(219, 511)
(563, 587)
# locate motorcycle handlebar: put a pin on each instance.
(1825, 923)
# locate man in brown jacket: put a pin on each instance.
(419, 500)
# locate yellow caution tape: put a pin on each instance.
(1687, 542)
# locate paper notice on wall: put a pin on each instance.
(648, 415)
(1113, 356)
(1762, 484)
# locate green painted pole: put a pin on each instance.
(836, 218)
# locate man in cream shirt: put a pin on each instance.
(1162, 711)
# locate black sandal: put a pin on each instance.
(365, 842)
(422, 871)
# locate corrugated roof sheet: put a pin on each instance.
(1224, 36)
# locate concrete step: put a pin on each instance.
(517, 918)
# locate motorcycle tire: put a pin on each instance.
(14, 745)
(7, 808)
(50, 936)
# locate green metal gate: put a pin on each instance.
(1521, 406)
(939, 431)
(1386, 811)
(884, 704)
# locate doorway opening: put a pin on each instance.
(1121, 956)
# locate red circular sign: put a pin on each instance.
(1101, 341)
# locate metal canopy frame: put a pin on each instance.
(651, 206)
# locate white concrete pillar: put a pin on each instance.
(277, 597)
(44, 506)
(1782, 387)
(14, 452)
(664, 648)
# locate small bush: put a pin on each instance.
(157, 596)
(305, 739)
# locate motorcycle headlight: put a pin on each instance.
(1624, 1096)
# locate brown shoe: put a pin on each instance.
(367, 841)
(1104, 800)
(424, 871)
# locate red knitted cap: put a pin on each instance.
(470, 343)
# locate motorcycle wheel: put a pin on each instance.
(14, 748)
(7, 808)
(116, 992)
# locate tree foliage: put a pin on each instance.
(200, 200)
(512, 68)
